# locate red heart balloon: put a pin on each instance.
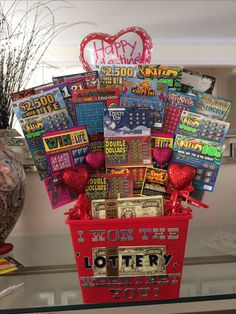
(162, 154)
(76, 178)
(95, 160)
(180, 176)
(130, 46)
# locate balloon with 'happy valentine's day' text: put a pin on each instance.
(132, 45)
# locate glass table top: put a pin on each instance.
(51, 281)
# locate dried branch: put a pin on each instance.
(25, 35)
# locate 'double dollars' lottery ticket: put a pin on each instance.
(150, 206)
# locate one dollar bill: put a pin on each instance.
(129, 261)
(149, 206)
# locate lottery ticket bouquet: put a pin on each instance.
(135, 147)
(131, 248)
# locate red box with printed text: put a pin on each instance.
(129, 260)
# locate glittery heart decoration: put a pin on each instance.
(180, 176)
(76, 179)
(162, 154)
(95, 160)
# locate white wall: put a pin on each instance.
(38, 218)
(200, 52)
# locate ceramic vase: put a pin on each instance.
(12, 192)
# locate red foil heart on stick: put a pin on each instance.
(132, 45)
(76, 179)
(95, 160)
(162, 154)
(180, 176)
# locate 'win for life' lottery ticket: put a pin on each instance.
(113, 75)
(37, 114)
(67, 89)
(66, 149)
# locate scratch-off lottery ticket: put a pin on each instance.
(138, 176)
(58, 192)
(155, 181)
(129, 151)
(67, 89)
(102, 186)
(146, 94)
(37, 114)
(176, 103)
(90, 79)
(137, 87)
(198, 81)
(89, 107)
(213, 107)
(96, 142)
(34, 127)
(202, 127)
(124, 122)
(162, 140)
(170, 75)
(205, 156)
(66, 149)
(42, 103)
(113, 75)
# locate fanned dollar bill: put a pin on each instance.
(130, 261)
(150, 206)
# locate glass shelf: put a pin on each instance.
(51, 281)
